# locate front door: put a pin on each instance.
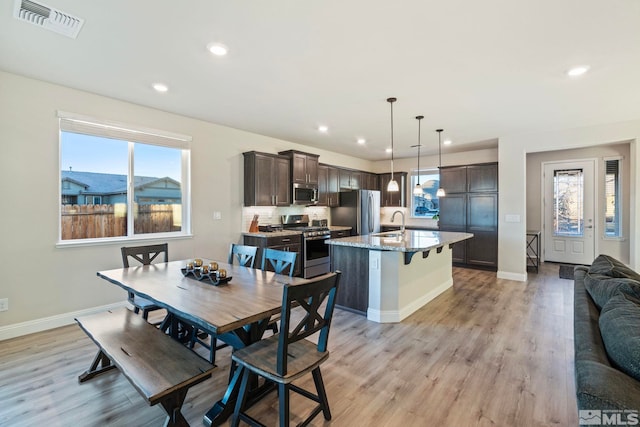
(569, 207)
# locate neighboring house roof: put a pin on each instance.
(108, 183)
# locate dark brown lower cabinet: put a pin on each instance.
(353, 293)
(291, 243)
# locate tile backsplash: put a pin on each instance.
(271, 214)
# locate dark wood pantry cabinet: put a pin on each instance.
(393, 198)
(471, 205)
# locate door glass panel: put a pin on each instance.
(568, 202)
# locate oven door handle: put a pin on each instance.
(317, 238)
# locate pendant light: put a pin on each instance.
(393, 184)
(417, 190)
(440, 192)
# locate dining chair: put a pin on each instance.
(287, 356)
(145, 255)
(246, 255)
(279, 260)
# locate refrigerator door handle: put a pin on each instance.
(370, 213)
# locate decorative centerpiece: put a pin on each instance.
(209, 272)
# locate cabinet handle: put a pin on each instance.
(286, 240)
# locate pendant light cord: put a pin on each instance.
(391, 101)
(419, 120)
(439, 148)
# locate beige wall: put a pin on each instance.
(614, 247)
(42, 281)
(514, 185)
(45, 282)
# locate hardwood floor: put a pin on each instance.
(486, 352)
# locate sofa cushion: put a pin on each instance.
(601, 288)
(604, 264)
(620, 328)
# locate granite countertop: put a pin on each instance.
(411, 241)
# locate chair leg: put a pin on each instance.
(242, 396)
(145, 314)
(283, 397)
(322, 394)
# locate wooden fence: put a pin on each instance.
(96, 221)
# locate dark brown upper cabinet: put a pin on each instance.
(304, 167)
(350, 179)
(266, 179)
(328, 187)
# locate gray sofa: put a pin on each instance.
(607, 340)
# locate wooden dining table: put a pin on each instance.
(236, 312)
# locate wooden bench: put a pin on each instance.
(160, 368)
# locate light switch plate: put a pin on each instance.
(512, 218)
(217, 215)
(4, 304)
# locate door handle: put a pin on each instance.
(589, 226)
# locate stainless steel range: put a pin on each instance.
(315, 253)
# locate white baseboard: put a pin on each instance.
(519, 277)
(395, 316)
(39, 325)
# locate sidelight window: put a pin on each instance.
(612, 194)
(120, 182)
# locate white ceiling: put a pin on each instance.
(478, 69)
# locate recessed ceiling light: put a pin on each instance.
(361, 141)
(447, 142)
(578, 71)
(323, 128)
(388, 150)
(160, 87)
(217, 49)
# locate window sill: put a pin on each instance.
(120, 240)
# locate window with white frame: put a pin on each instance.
(425, 204)
(612, 194)
(121, 181)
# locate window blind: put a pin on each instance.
(71, 122)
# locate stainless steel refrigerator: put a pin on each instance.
(360, 210)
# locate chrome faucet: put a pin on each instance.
(394, 216)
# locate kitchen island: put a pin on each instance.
(388, 276)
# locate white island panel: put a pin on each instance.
(397, 290)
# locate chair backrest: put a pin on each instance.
(308, 296)
(279, 260)
(145, 255)
(246, 255)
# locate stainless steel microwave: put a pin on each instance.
(305, 194)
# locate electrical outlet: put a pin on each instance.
(217, 215)
(4, 304)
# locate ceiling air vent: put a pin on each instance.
(48, 17)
